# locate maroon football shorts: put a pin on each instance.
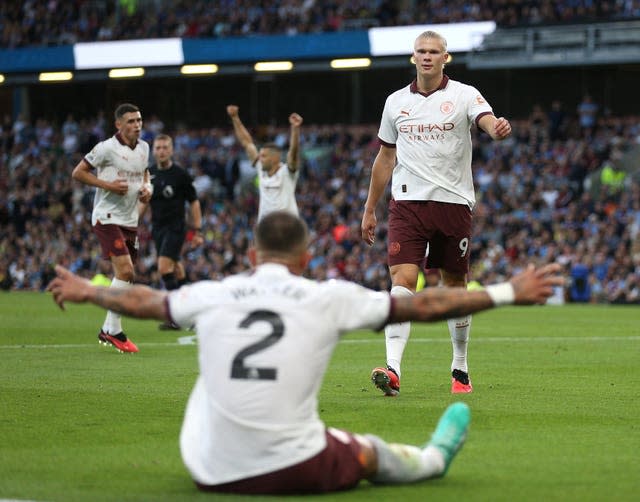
(117, 241)
(443, 226)
(338, 467)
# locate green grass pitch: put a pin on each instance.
(554, 408)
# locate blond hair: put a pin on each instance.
(434, 34)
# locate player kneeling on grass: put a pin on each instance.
(265, 340)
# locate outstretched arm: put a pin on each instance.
(242, 134)
(532, 286)
(136, 301)
(293, 156)
(380, 175)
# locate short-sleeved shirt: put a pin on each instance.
(113, 159)
(172, 187)
(265, 339)
(432, 136)
(278, 191)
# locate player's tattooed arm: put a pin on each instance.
(532, 286)
(136, 301)
(435, 304)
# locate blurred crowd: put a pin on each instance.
(55, 22)
(554, 191)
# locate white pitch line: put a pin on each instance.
(498, 339)
(190, 340)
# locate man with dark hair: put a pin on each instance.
(172, 189)
(277, 181)
(265, 340)
(121, 179)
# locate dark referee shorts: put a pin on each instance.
(443, 226)
(169, 240)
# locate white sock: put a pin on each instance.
(459, 329)
(402, 463)
(113, 322)
(396, 335)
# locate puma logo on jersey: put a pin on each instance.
(402, 112)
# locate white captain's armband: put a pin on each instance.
(501, 294)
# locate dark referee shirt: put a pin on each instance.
(172, 187)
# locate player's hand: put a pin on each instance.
(535, 285)
(368, 227)
(68, 287)
(501, 128)
(144, 194)
(232, 111)
(295, 120)
(119, 186)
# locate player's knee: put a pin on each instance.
(368, 456)
(129, 276)
(453, 280)
(125, 274)
(405, 276)
(166, 266)
(164, 270)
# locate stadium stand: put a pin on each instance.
(54, 22)
(556, 190)
(540, 198)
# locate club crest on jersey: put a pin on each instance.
(446, 108)
(167, 192)
(394, 248)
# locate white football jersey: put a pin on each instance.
(432, 135)
(277, 192)
(113, 159)
(265, 339)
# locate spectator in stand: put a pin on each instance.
(587, 112)
(334, 189)
(44, 23)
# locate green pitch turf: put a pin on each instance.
(554, 408)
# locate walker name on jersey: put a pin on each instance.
(426, 132)
(286, 291)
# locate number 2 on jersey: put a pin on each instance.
(238, 368)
